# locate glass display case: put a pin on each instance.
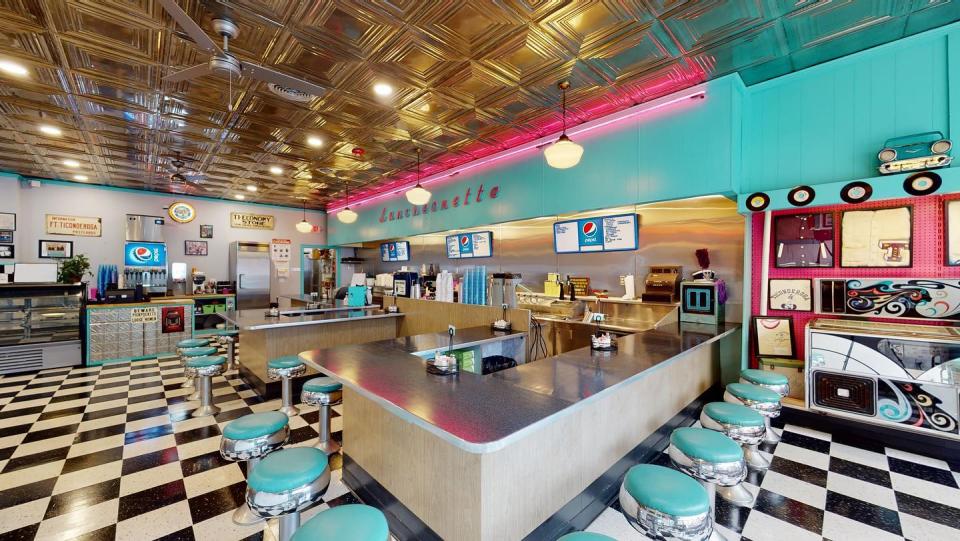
(40, 326)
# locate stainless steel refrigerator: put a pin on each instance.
(250, 269)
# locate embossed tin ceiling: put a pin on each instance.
(470, 78)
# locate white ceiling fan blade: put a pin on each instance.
(190, 27)
(268, 75)
(193, 72)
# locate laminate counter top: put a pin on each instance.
(256, 319)
(482, 414)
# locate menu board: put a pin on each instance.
(470, 245)
(600, 234)
(395, 251)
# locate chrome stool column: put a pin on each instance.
(191, 353)
(323, 392)
(228, 337)
(285, 369)
(742, 425)
(249, 439)
(713, 459)
(760, 399)
(286, 482)
(662, 503)
(188, 344)
(205, 368)
(351, 522)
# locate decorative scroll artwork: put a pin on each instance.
(914, 298)
(917, 405)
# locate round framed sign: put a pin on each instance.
(801, 196)
(856, 192)
(181, 212)
(757, 201)
(924, 183)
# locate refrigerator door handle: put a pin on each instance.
(239, 281)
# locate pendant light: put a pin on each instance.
(418, 195)
(303, 225)
(346, 215)
(564, 153)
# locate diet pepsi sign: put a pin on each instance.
(590, 233)
(145, 254)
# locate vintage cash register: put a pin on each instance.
(662, 284)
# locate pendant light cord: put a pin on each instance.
(563, 116)
(418, 166)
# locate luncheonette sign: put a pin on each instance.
(402, 211)
(77, 226)
(248, 220)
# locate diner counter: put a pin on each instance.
(481, 414)
(256, 319)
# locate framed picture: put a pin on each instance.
(8, 220)
(803, 240)
(194, 247)
(951, 215)
(773, 337)
(6, 236)
(790, 294)
(206, 231)
(55, 249)
(6, 251)
(877, 238)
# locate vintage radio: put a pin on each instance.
(891, 374)
(699, 302)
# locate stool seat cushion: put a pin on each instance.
(322, 385)
(666, 490)
(193, 343)
(255, 425)
(289, 361)
(706, 445)
(199, 352)
(586, 536)
(351, 522)
(288, 469)
(733, 414)
(764, 377)
(200, 362)
(754, 393)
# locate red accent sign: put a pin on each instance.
(172, 320)
(438, 205)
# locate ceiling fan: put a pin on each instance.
(185, 180)
(223, 63)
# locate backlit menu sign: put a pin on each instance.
(145, 254)
(470, 245)
(395, 251)
(601, 234)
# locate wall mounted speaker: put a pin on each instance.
(853, 394)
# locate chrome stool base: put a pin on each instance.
(754, 459)
(771, 436)
(329, 446)
(737, 494)
(245, 517)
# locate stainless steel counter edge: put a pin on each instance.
(489, 447)
(299, 322)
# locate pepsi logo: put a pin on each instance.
(589, 229)
(464, 240)
(142, 254)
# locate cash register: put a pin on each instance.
(662, 284)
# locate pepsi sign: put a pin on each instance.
(598, 234)
(470, 245)
(145, 254)
(590, 233)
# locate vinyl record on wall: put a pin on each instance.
(856, 192)
(923, 183)
(801, 196)
(757, 201)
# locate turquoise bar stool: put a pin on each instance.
(287, 482)
(188, 353)
(713, 459)
(285, 369)
(662, 503)
(249, 439)
(742, 425)
(762, 400)
(777, 383)
(188, 344)
(351, 522)
(228, 338)
(323, 392)
(205, 368)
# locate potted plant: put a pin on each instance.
(73, 269)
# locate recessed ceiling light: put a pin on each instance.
(51, 130)
(81, 178)
(239, 196)
(382, 89)
(251, 187)
(314, 141)
(12, 68)
(71, 163)
(276, 169)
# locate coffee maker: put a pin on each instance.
(199, 281)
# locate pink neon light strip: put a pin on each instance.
(626, 114)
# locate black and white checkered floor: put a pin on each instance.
(112, 453)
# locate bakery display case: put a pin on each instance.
(40, 326)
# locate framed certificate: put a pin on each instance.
(790, 294)
(773, 337)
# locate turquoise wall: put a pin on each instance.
(820, 125)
